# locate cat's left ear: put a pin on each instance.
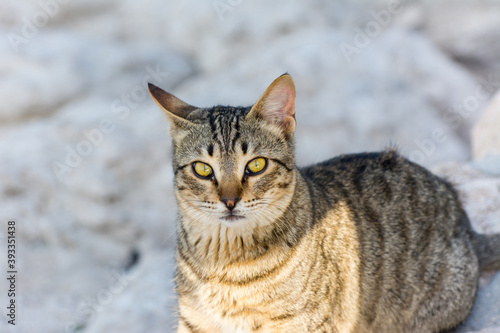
(176, 109)
(277, 104)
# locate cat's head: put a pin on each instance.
(233, 165)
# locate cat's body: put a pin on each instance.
(359, 243)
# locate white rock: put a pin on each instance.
(470, 34)
(486, 133)
(146, 304)
(57, 67)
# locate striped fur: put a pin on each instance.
(359, 243)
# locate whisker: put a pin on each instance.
(198, 216)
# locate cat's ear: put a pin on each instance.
(176, 109)
(277, 104)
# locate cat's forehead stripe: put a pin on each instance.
(225, 125)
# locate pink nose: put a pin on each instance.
(230, 202)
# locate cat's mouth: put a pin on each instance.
(232, 218)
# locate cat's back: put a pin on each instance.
(383, 176)
(413, 235)
(383, 184)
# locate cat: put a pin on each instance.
(365, 242)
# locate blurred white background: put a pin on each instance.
(85, 153)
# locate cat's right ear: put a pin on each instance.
(176, 109)
(277, 105)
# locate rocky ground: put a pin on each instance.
(85, 154)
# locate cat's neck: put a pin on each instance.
(215, 247)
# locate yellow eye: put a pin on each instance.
(256, 165)
(201, 169)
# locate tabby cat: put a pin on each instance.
(359, 243)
